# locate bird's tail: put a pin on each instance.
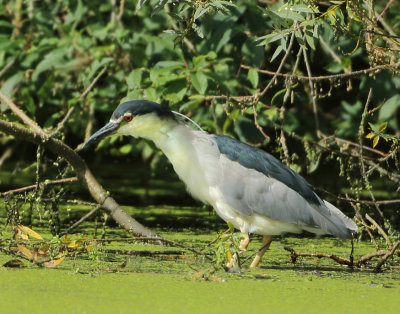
(340, 225)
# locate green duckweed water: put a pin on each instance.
(64, 291)
(172, 284)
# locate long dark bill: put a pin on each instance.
(106, 130)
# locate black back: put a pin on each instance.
(254, 158)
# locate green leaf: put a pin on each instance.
(277, 94)
(388, 110)
(51, 60)
(170, 64)
(198, 30)
(267, 39)
(150, 94)
(199, 81)
(126, 149)
(290, 13)
(352, 14)
(9, 85)
(252, 75)
(200, 11)
(141, 3)
(374, 127)
(133, 80)
(311, 38)
(231, 226)
(271, 113)
(277, 52)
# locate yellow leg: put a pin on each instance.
(267, 239)
(244, 243)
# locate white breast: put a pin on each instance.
(193, 155)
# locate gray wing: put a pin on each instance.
(253, 158)
(255, 181)
(248, 191)
(270, 192)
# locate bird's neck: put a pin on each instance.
(171, 136)
(179, 143)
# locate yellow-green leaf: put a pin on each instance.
(375, 141)
(383, 127)
(370, 135)
(74, 244)
(30, 232)
(231, 226)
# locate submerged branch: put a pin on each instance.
(345, 261)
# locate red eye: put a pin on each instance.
(128, 118)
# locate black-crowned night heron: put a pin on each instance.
(246, 186)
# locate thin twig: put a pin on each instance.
(61, 125)
(121, 10)
(280, 65)
(373, 150)
(360, 218)
(382, 160)
(76, 224)
(380, 230)
(294, 255)
(384, 10)
(258, 126)
(45, 183)
(327, 77)
(362, 164)
(90, 87)
(6, 67)
(313, 95)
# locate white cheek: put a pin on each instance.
(127, 129)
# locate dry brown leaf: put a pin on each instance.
(55, 262)
(21, 235)
(25, 251)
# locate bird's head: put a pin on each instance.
(138, 118)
